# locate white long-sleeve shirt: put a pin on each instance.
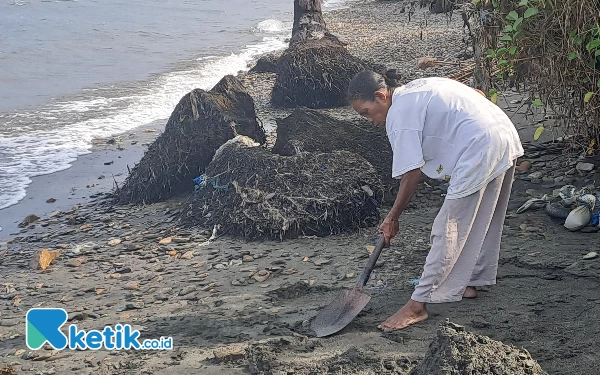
(452, 132)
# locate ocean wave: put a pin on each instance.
(272, 26)
(29, 148)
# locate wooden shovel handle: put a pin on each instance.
(362, 281)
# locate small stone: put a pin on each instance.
(134, 306)
(181, 239)
(28, 220)
(51, 200)
(235, 262)
(113, 276)
(132, 285)
(187, 290)
(261, 276)
(247, 258)
(134, 247)
(532, 229)
(75, 262)
(571, 172)
(114, 242)
(536, 175)
(320, 262)
(584, 167)
(20, 352)
(591, 255)
(188, 255)
(166, 241)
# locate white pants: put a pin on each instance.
(465, 243)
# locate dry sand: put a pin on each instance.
(225, 318)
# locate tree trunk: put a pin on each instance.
(308, 22)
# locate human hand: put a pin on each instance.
(389, 228)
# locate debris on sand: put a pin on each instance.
(255, 194)
(457, 352)
(308, 130)
(201, 123)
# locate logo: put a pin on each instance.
(43, 325)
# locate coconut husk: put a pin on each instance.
(315, 74)
(200, 123)
(308, 130)
(252, 193)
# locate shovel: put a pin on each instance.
(339, 313)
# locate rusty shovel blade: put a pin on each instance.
(339, 313)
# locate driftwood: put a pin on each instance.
(198, 126)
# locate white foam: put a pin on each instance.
(272, 26)
(38, 150)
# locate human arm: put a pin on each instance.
(408, 185)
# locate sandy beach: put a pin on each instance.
(235, 307)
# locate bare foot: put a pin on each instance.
(413, 312)
(470, 292)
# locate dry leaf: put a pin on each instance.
(16, 300)
(148, 131)
(112, 276)
(198, 265)
(306, 259)
(99, 291)
(125, 315)
(85, 227)
(370, 249)
(172, 253)
(45, 257)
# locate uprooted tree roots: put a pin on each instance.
(315, 74)
(307, 130)
(254, 194)
(201, 123)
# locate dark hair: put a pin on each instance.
(365, 83)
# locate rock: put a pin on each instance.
(188, 255)
(532, 229)
(181, 239)
(166, 241)
(187, 290)
(75, 262)
(134, 306)
(584, 167)
(536, 175)
(28, 220)
(247, 258)
(132, 285)
(455, 351)
(261, 276)
(320, 262)
(114, 242)
(134, 247)
(591, 255)
(51, 200)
